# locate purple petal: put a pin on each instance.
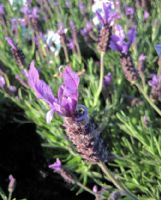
(12, 183)
(41, 89)
(2, 9)
(158, 49)
(129, 11)
(116, 43)
(2, 82)
(56, 166)
(11, 43)
(107, 10)
(71, 82)
(154, 81)
(100, 18)
(142, 57)
(146, 15)
(119, 32)
(12, 88)
(131, 36)
(95, 189)
(107, 79)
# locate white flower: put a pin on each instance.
(52, 40)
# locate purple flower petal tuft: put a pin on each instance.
(41, 89)
(65, 104)
(56, 166)
(11, 43)
(158, 49)
(118, 42)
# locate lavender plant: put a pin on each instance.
(104, 122)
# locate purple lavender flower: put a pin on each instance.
(56, 166)
(2, 82)
(118, 41)
(2, 9)
(146, 15)
(12, 183)
(107, 79)
(11, 43)
(31, 13)
(25, 10)
(12, 88)
(154, 81)
(158, 49)
(87, 29)
(155, 84)
(142, 57)
(14, 25)
(95, 189)
(35, 13)
(82, 7)
(71, 44)
(129, 11)
(108, 16)
(65, 104)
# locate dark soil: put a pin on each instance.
(22, 156)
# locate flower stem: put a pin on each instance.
(10, 196)
(66, 53)
(148, 99)
(116, 182)
(85, 188)
(101, 79)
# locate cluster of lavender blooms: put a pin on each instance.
(79, 128)
(77, 123)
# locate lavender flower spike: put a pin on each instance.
(118, 42)
(79, 128)
(66, 102)
(17, 53)
(12, 183)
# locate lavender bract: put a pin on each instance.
(11, 43)
(118, 41)
(66, 102)
(108, 16)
